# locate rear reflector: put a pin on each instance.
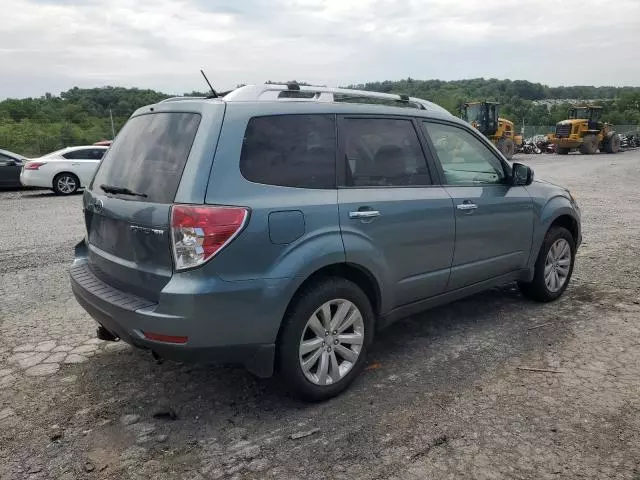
(159, 337)
(200, 232)
(34, 165)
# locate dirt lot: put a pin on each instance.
(442, 398)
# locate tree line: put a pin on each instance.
(520, 100)
(33, 126)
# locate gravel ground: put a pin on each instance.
(443, 397)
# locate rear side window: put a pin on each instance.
(382, 152)
(291, 151)
(149, 155)
(85, 154)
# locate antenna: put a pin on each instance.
(213, 92)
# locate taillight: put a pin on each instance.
(34, 165)
(198, 233)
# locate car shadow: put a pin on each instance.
(38, 194)
(46, 193)
(416, 369)
(417, 345)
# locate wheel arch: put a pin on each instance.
(357, 274)
(557, 212)
(569, 222)
(65, 172)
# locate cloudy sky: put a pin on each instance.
(53, 45)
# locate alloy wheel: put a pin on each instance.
(331, 342)
(66, 184)
(557, 265)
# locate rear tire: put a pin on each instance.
(304, 343)
(589, 144)
(559, 264)
(562, 150)
(506, 147)
(612, 143)
(66, 184)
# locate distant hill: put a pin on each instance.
(520, 99)
(33, 126)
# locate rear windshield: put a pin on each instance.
(149, 155)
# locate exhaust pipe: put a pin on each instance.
(104, 334)
(159, 360)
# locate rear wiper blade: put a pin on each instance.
(121, 191)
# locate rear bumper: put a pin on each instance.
(35, 178)
(232, 322)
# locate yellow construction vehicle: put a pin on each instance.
(485, 117)
(584, 130)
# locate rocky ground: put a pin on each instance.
(452, 393)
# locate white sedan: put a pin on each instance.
(63, 171)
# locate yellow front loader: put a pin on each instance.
(584, 130)
(485, 117)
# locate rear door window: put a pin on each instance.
(149, 155)
(82, 154)
(382, 152)
(290, 150)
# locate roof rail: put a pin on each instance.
(296, 92)
(177, 99)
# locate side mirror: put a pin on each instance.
(521, 175)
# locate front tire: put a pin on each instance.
(553, 267)
(326, 334)
(66, 184)
(506, 147)
(589, 144)
(562, 150)
(612, 143)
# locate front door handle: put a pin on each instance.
(467, 206)
(363, 214)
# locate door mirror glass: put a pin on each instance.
(522, 175)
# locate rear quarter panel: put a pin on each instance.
(84, 169)
(255, 254)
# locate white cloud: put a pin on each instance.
(53, 45)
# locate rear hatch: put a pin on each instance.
(128, 204)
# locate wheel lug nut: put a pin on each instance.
(335, 332)
(326, 334)
(324, 343)
(328, 349)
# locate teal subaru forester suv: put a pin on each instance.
(281, 226)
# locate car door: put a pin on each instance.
(392, 218)
(9, 171)
(84, 162)
(494, 220)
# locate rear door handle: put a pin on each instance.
(364, 214)
(467, 206)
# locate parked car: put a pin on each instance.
(64, 171)
(282, 226)
(10, 167)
